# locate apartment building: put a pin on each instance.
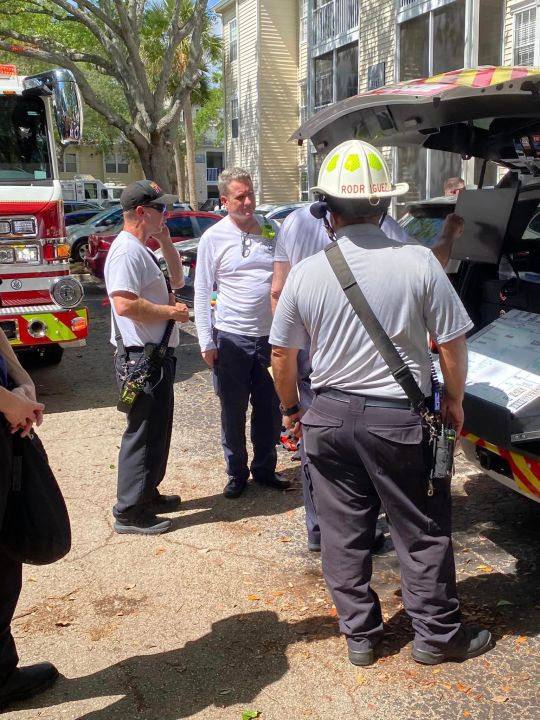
(350, 46)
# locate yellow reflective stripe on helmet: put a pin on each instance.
(352, 162)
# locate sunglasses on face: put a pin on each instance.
(157, 206)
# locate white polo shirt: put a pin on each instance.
(130, 268)
(407, 290)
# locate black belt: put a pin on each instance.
(150, 346)
(370, 400)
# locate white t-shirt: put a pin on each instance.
(302, 235)
(409, 293)
(243, 282)
(130, 268)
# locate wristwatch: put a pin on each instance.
(290, 410)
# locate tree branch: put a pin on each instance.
(54, 47)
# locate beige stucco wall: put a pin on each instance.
(92, 162)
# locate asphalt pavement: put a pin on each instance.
(228, 613)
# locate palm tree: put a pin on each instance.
(154, 41)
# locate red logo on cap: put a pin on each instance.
(155, 186)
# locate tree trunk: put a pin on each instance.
(190, 154)
(180, 172)
(155, 160)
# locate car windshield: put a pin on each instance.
(24, 147)
(109, 215)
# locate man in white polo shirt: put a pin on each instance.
(235, 256)
(141, 306)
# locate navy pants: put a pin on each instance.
(359, 456)
(10, 570)
(144, 450)
(242, 377)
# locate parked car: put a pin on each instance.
(182, 224)
(77, 235)
(188, 251)
(79, 217)
(481, 114)
(71, 206)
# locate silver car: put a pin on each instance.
(77, 235)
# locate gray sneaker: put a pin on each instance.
(143, 524)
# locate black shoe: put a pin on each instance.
(314, 542)
(26, 682)
(164, 504)
(274, 481)
(363, 658)
(378, 541)
(471, 641)
(234, 488)
(143, 524)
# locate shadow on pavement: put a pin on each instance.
(233, 663)
(255, 501)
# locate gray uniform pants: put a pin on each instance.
(144, 450)
(359, 456)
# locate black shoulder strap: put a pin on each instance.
(399, 369)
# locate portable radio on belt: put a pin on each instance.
(442, 437)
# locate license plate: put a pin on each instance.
(10, 329)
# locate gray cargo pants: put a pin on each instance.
(358, 456)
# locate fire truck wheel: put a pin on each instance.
(79, 250)
(50, 355)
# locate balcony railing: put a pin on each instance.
(212, 175)
(404, 4)
(334, 18)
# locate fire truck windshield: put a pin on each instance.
(24, 146)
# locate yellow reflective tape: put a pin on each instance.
(352, 163)
(57, 331)
(83, 312)
(521, 463)
(332, 163)
(501, 74)
(374, 162)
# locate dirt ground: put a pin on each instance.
(228, 613)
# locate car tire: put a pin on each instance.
(79, 250)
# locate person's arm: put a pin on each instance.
(285, 370)
(16, 372)
(204, 287)
(281, 270)
(20, 412)
(135, 308)
(452, 229)
(172, 257)
(453, 361)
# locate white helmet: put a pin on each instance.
(355, 170)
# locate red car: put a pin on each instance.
(182, 224)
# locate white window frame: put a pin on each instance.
(517, 12)
(64, 164)
(303, 13)
(302, 102)
(116, 159)
(233, 40)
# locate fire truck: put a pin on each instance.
(40, 303)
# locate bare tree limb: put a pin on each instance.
(54, 47)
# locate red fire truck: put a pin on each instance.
(40, 307)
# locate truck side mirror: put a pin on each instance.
(66, 98)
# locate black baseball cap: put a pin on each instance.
(144, 192)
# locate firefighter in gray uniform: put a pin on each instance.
(363, 441)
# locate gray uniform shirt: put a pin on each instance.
(408, 291)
